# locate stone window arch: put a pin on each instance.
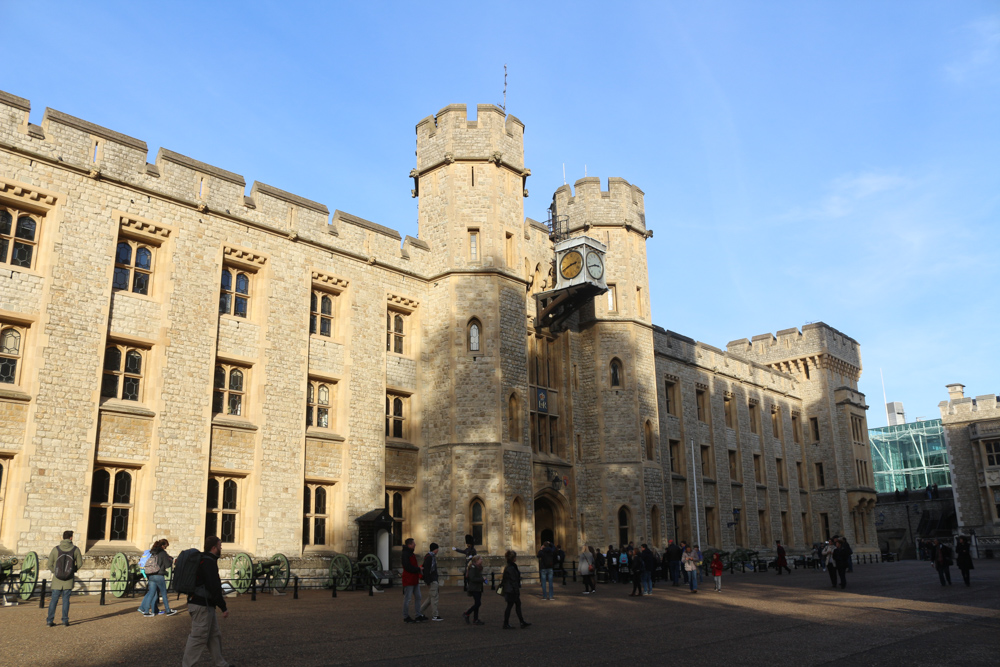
(474, 335)
(624, 524)
(616, 373)
(477, 521)
(513, 418)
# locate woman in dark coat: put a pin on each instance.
(963, 558)
(474, 579)
(637, 568)
(841, 558)
(511, 584)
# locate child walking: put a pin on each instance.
(716, 566)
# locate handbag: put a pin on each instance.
(500, 589)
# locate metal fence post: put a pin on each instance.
(295, 595)
(41, 600)
(104, 588)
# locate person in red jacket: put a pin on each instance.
(716, 567)
(411, 582)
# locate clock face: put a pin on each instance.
(595, 265)
(571, 265)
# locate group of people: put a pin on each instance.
(836, 559)
(510, 585)
(638, 564)
(942, 559)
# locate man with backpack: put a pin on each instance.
(204, 595)
(64, 561)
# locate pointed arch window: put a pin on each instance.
(395, 332)
(321, 313)
(234, 295)
(315, 515)
(222, 518)
(477, 512)
(133, 267)
(624, 524)
(230, 389)
(395, 416)
(319, 404)
(17, 240)
(617, 375)
(110, 505)
(475, 331)
(122, 376)
(11, 348)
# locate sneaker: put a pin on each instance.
(66, 623)
(407, 619)
(586, 592)
(172, 612)
(148, 614)
(437, 618)
(141, 611)
(160, 613)
(421, 618)
(50, 624)
(524, 624)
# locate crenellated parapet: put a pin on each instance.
(449, 137)
(586, 205)
(817, 345)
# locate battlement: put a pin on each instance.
(960, 407)
(586, 205)
(814, 340)
(449, 136)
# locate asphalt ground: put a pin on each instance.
(890, 614)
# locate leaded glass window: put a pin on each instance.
(120, 380)
(110, 505)
(234, 293)
(229, 390)
(318, 404)
(133, 267)
(17, 239)
(10, 354)
(222, 517)
(321, 313)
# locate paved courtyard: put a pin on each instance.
(890, 614)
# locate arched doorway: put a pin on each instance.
(550, 521)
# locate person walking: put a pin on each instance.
(546, 567)
(202, 604)
(673, 557)
(781, 561)
(942, 562)
(511, 584)
(636, 568)
(474, 577)
(648, 566)
(64, 561)
(586, 569)
(156, 567)
(411, 582)
(716, 566)
(963, 557)
(690, 560)
(828, 564)
(842, 560)
(431, 579)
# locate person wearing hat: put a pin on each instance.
(431, 579)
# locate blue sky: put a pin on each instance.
(802, 161)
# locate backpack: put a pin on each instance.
(65, 564)
(150, 564)
(186, 571)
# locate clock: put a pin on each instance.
(595, 266)
(571, 265)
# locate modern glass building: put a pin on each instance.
(909, 456)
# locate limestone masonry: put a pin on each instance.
(179, 357)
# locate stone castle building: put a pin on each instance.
(972, 435)
(180, 357)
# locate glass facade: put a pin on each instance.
(909, 456)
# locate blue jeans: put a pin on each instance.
(64, 594)
(157, 588)
(408, 592)
(546, 577)
(693, 579)
(647, 582)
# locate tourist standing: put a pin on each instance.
(474, 577)
(842, 560)
(716, 567)
(64, 561)
(648, 566)
(431, 579)
(782, 561)
(156, 567)
(202, 603)
(828, 564)
(636, 567)
(942, 562)
(673, 558)
(963, 557)
(690, 560)
(613, 563)
(511, 584)
(411, 582)
(546, 565)
(684, 548)
(586, 569)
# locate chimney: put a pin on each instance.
(955, 391)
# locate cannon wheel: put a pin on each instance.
(340, 572)
(242, 573)
(366, 566)
(119, 575)
(29, 575)
(280, 572)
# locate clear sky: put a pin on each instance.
(802, 161)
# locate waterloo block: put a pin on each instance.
(180, 358)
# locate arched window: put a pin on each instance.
(623, 525)
(517, 524)
(234, 301)
(314, 516)
(616, 373)
(321, 313)
(654, 518)
(17, 248)
(131, 276)
(10, 354)
(478, 514)
(110, 505)
(118, 382)
(395, 416)
(396, 511)
(475, 328)
(650, 448)
(513, 419)
(318, 404)
(228, 396)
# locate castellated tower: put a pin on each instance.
(613, 384)
(826, 365)
(470, 180)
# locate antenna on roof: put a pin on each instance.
(504, 104)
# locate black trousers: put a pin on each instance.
(637, 583)
(477, 602)
(513, 600)
(842, 572)
(944, 572)
(831, 569)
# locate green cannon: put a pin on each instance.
(126, 575)
(274, 571)
(368, 571)
(23, 584)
